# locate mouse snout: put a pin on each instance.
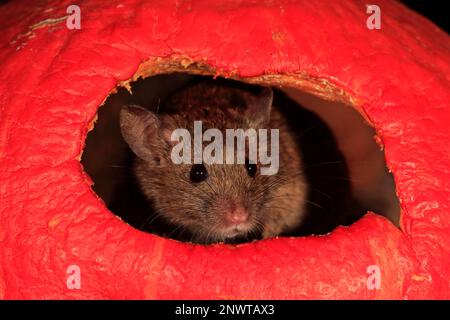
(236, 215)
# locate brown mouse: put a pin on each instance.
(217, 202)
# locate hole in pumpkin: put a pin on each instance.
(343, 168)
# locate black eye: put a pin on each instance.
(251, 168)
(198, 173)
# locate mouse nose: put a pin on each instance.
(237, 215)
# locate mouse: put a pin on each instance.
(217, 202)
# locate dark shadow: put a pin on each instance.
(108, 161)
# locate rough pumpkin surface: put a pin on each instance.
(52, 81)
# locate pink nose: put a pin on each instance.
(237, 215)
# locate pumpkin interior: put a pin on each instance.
(108, 160)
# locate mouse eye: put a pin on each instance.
(251, 168)
(198, 173)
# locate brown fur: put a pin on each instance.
(276, 203)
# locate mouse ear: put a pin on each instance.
(140, 129)
(259, 111)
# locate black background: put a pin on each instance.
(435, 10)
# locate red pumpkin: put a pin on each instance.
(53, 79)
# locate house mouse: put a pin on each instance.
(217, 202)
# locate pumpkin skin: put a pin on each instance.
(53, 80)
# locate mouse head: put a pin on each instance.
(214, 202)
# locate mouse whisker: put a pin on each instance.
(210, 236)
(259, 225)
(209, 185)
(199, 199)
(323, 193)
(336, 178)
(301, 134)
(306, 201)
(180, 226)
(282, 196)
(151, 218)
